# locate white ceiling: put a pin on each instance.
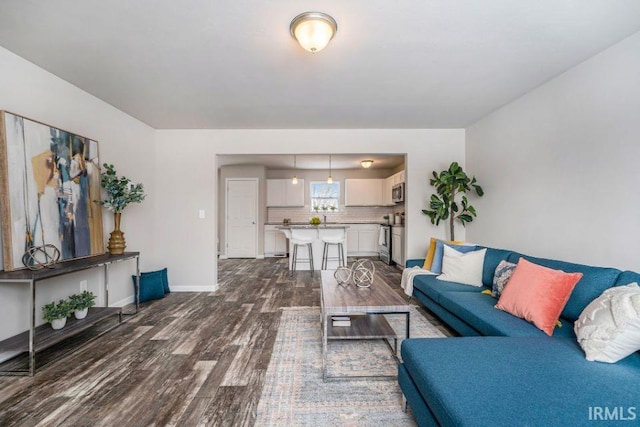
(313, 161)
(233, 64)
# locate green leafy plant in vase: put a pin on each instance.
(445, 205)
(81, 303)
(120, 192)
(57, 313)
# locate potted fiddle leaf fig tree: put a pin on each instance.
(81, 303)
(120, 192)
(57, 313)
(451, 201)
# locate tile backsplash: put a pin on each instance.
(346, 214)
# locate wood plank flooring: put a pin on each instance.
(188, 359)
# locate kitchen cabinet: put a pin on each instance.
(282, 193)
(352, 241)
(275, 242)
(363, 192)
(362, 239)
(387, 198)
(387, 186)
(398, 178)
(397, 245)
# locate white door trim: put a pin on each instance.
(226, 216)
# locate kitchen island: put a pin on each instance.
(316, 233)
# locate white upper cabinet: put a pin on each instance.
(276, 192)
(363, 192)
(387, 198)
(398, 178)
(281, 192)
(395, 179)
(295, 193)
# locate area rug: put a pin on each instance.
(294, 393)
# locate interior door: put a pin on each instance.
(242, 218)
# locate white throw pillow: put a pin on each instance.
(462, 268)
(608, 329)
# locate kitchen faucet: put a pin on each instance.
(324, 219)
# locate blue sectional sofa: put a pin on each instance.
(504, 371)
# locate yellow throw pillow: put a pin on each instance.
(429, 258)
(432, 251)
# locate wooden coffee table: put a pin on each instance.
(365, 308)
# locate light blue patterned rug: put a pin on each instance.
(294, 393)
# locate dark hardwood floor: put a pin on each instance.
(188, 359)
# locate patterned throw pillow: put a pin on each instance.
(501, 277)
(608, 329)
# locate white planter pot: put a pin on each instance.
(58, 323)
(81, 314)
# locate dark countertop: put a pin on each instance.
(328, 223)
(312, 227)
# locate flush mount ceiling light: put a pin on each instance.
(313, 30)
(366, 163)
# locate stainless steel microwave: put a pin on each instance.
(397, 193)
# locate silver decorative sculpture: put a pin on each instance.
(343, 275)
(362, 272)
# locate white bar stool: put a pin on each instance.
(298, 240)
(333, 240)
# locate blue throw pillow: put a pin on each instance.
(165, 279)
(151, 285)
(436, 267)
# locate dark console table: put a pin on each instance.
(39, 338)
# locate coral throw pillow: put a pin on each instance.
(537, 294)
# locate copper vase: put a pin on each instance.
(116, 244)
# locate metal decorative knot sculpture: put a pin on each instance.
(39, 257)
(362, 272)
(343, 275)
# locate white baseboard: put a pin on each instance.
(210, 288)
(261, 256)
(122, 302)
(222, 257)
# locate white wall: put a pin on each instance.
(560, 165)
(30, 91)
(186, 160)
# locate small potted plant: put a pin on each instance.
(57, 314)
(120, 193)
(82, 303)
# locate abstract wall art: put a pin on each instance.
(49, 182)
